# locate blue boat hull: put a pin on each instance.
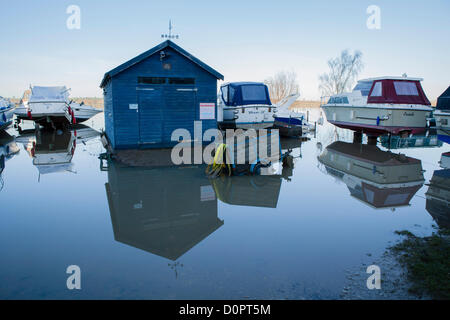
(288, 127)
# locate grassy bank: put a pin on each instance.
(427, 260)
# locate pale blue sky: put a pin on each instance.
(244, 40)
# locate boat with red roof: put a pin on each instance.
(376, 106)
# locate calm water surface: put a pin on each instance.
(174, 234)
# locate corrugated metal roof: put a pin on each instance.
(152, 51)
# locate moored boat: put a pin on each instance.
(395, 105)
(6, 113)
(46, 106)
(83, 112)
(245, 105)
(289, 123)
(442, 112)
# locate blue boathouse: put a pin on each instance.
(151, 95)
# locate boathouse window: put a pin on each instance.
(377, 90)
(403, 88)
(151, 80)
(252, 93)
(181, 81)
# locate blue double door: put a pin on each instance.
(163, 109)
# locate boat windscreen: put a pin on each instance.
(40, 94)
(364, 87)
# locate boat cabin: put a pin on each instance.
(245, 93)
(393, 90)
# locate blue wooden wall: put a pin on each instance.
(125, 127)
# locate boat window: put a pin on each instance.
(337, 100)
(331, 100)
(364, 87)
(403, 88)
(231, 92)
(224, 91)
(181, 81)
(377, 90)
(151, 80)
(253, 93)
(345, 100)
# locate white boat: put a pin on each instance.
(442, 112)
(47, 106)
(245, 105)
(380, 179)
(6, 113)
(288, 122)
(83, 112)
(395, 105)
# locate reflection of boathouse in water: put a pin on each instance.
(379, 178)
(165, 211)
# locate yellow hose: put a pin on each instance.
(219, 163)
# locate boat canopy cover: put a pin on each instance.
(53, 94)
(245, 93)
(443, 102)
(397, 91)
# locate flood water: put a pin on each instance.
(172, 233)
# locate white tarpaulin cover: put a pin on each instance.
(52, 94)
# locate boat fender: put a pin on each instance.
(4, 117)
(378, 121)
(29, 114)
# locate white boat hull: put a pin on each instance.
(248, 117)
(378, 119)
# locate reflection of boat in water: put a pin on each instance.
(8, 148)
(444, 135)
(255, 191)
(412, 141)
(379, 178)
(53, 150)
(438, 197)
(165, 211)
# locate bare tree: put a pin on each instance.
(282, 84)
(342, 74)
